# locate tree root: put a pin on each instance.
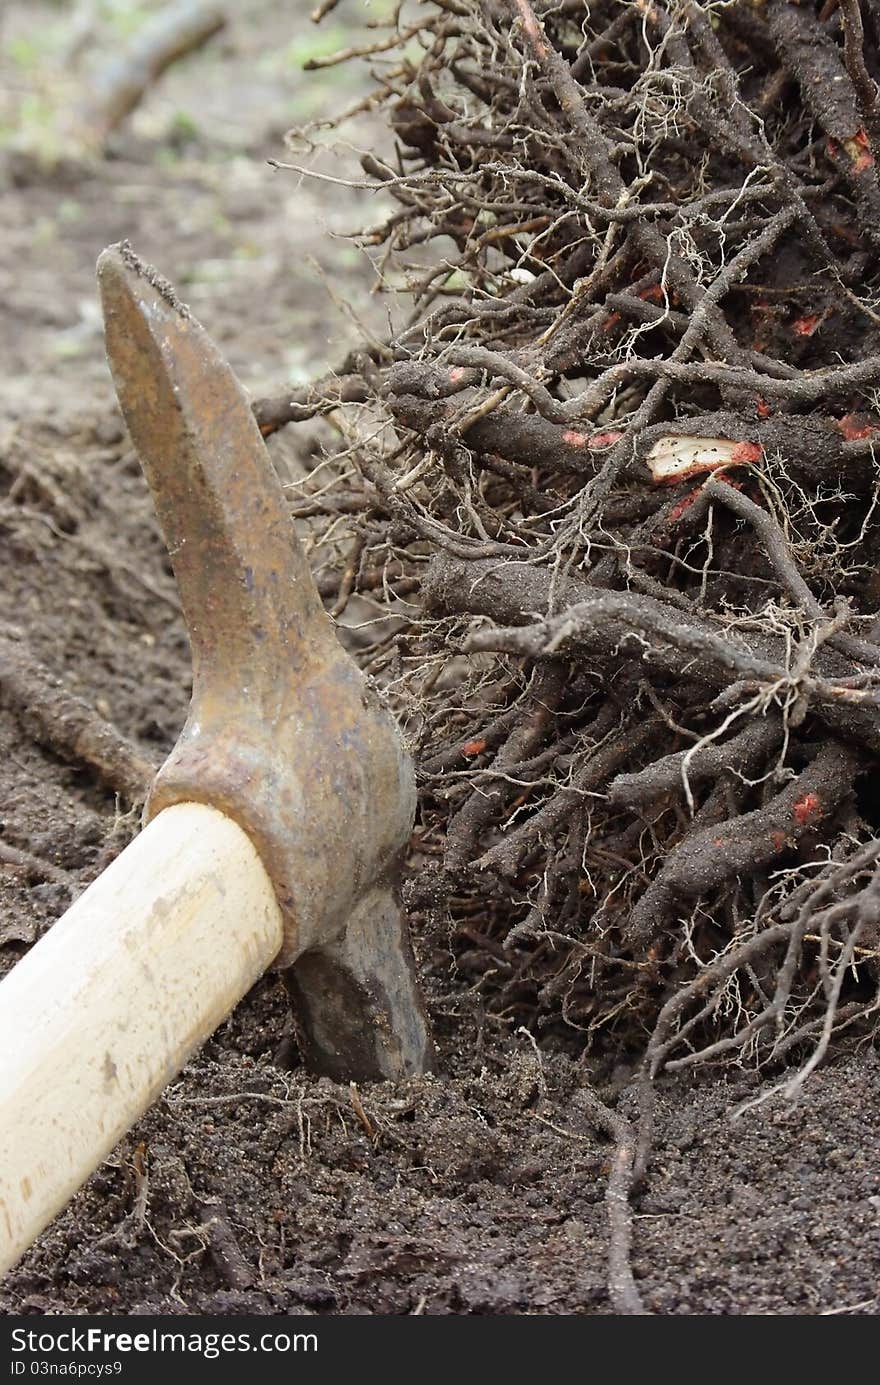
(70, 728)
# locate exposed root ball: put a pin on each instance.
(611, 494)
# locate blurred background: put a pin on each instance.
(183, 173)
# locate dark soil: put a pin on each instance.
(480, 1191)
(252, 1187)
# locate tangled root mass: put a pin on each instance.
(609, 495)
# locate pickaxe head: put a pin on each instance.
(285, 735)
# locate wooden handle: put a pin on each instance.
(108, 1006)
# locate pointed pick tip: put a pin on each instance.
(119, 267)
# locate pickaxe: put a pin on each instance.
(274, 830)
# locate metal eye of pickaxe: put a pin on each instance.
(274, 830)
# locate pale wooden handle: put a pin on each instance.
(108, 1006)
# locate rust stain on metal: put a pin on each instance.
(284, 733)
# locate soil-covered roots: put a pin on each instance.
(607, 505)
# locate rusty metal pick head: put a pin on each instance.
(284, 733)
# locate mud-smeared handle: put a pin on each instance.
(105, 1010)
